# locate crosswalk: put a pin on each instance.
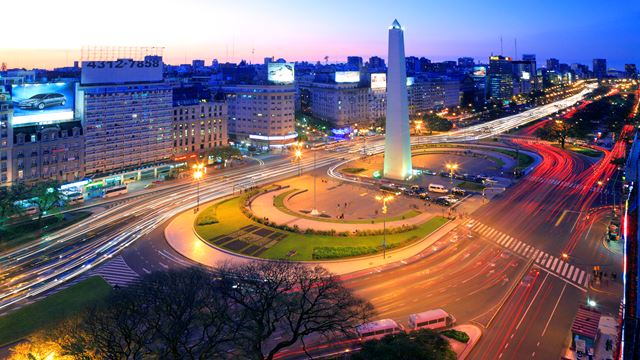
(572, 185)
(556, 266)
(117, 272)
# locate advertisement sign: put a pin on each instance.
(525, 75)
(479, 71)
(410, 80)
(379, 81)
(121, 71)
(347, 76)
(42, 103)
(281, 73)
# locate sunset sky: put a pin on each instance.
(51, 33)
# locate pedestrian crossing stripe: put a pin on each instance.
(117, 272)
(556, 266)
(593, 188)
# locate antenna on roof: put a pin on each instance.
(501, 50)
(515, 40)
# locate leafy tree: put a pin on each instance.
(8, 198)
(555, 131)
(46, 196)
(281, 303)
(436, 123)
(224, 153)
(418, 345)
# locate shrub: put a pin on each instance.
(456, 335)
(353, 170)
(321, 253)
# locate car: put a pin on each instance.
(41, 101)
(458, 176)
(443, 200)
(452, 199)
(489, 181)
(429, 172)
(424, 196)
(445, 174)
(458, 191)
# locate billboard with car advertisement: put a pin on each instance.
(281, 73)
(479, 71)
(45, 103)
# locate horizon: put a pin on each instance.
(253, 30)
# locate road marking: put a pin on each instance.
(147, 271)
(503, 238)
(163, 265)
(555, 261)
(548, 262)
(532, 301)
(554, 310)
(564, 213)
(564, 269)
(509, 242)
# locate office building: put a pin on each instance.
(6, 137)
(397, 146)
(354, 62)
(126, 117)
(199, 122)
(262, 115)
(500, 79)
(524, 76)
(342, 104)
(197, 64)
(433, 92)
(465, 62)
(600, 68)
(631, 71)
(376, 63)
(553, 64)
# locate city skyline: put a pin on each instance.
(572, 32)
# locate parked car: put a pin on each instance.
(41, 101)
(424, 196)
(429, 172)
(459, 176)
(437, 188)
(458, 191)
(445, 174)
(443, 200)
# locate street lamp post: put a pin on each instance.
(452, 168)
(198, 172)
(298, 156)
(314, 211)
(384, 200)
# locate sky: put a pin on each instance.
(51, 33)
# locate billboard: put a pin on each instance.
(479, 71)
(378, 81)
(525, 75)
(281, 73)
(347, 76)
(121, 71)
(46, 103)
(411, 80)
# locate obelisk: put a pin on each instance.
(397, 146)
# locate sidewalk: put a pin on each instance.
(462, 349)
(181, 236)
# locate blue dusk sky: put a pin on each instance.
(570, 30)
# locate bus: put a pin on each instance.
(432, 319)
(376, 330)
(390, 190)
(74, 198)
(115, 191)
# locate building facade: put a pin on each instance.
(199, 127)
(6, 138)
(126, 126)
(500, 79)
(263, 115)
(343, 105)
(600, 68)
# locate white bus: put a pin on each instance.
(437, 188)
(74, 198)
(376, 330)
(432, 319)
(115, 190)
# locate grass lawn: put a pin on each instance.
(524, 160)
(50, 310)
(353, 170)
(18, 234)
(471, 186)
(232, 219)
(582, 150)
(278, 202)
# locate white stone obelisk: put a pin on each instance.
(397, 146)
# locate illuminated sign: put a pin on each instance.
(121, 71)
(281, 73)
(525, 75)
(410, 80)
(273, 138)
(479, 71)
(347, 76)
(379, 81)
(46, 103)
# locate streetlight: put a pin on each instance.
(452, 168)
(198, 173)
(298, 156)
(384, 200)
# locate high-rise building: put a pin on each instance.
(529, 57)
(397, 146)
(500, 78)
(126, 117)
(413, 65)
(199, 122)
(600, 68)
(197, 64)
(354, 62)
(263, 115)
(377, 63)
(631, 71)
(465, 62)
(524, 73)
(6, 137)
(553, 64)
(342, 104)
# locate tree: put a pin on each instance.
(46, 196)
(419, 345)
(224, 153)
(281, 303)
(8, 198)
(434, 122)
(558, 130)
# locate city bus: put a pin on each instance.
(115, 191)
(376, 330)
(432, 319)
(74, 198)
